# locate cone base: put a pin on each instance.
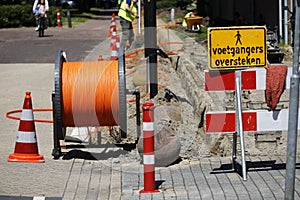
(20, 157)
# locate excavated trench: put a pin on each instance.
(190, 65)
(181, 104)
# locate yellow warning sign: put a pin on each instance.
(237, 47)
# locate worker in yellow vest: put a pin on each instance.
(127, 13)
(189, 14)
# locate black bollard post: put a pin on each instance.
(69, 19)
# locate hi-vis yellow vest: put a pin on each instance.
(126, 15)
(184, 23)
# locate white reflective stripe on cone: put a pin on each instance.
(26, 137)
(27, 115)
(114, 53)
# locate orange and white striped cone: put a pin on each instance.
(58, 18)
(112, 25)
(113, 39)
(100, 57)
(114, 52)
(26, 149)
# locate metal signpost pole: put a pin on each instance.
(150, 38)
(293, 115)
(239, 120)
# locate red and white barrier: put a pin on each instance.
(255, 120)
(148, 142)
(252, 79)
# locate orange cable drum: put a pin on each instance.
(90, 93)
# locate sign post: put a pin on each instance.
(293, 115)
(150, 38)
(239, 124)
(235, 48)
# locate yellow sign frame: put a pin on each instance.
(236, 47)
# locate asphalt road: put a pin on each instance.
(22, 45)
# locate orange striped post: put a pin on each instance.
(58, 18)
(148, 142)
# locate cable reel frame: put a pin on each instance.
(59, 131)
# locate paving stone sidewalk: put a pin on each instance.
(209, 178)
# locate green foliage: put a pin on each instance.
(171, 3)
(16, 16)
(166, 4)
(12, 16)
(9, 2)
(202, 35)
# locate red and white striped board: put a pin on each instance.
(252, 79)
(255, 120)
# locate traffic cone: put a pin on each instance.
(113, 38)
(112, 25)
(26, 149)
(114, 52)
(100, 58)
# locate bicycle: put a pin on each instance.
(42, 24)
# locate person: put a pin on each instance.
(40, 7)
(127, 13)
(189, 14)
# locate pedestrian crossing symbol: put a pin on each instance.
(236, 47)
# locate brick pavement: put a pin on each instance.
(208, 178)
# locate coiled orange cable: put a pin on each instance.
(90, 93)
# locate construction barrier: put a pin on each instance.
(253, 120)
(273, 80)
(252, 79)
(148, 142)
